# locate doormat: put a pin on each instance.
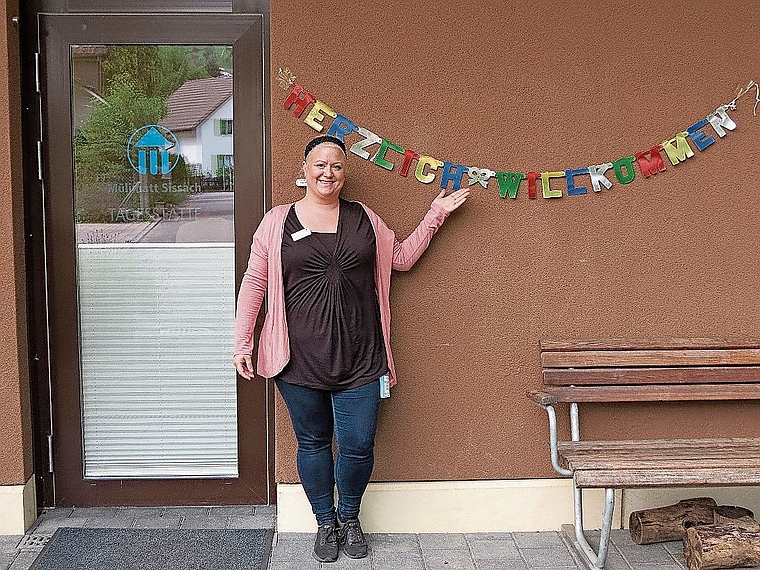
(156, 549)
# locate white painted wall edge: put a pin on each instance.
(18, 507)
(520, 505)
(451, 506)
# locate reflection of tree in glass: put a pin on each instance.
(215, 60)
(156, 71)
(138, 80)
(101, 166)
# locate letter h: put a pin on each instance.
(294, 98)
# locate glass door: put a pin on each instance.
(146, 241)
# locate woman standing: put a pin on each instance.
(325, 264)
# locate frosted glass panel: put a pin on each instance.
(158, 391)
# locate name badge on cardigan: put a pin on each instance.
(385, 386)
(300, 234)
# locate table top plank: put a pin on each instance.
(648, 393)
(643, 478)
(563, 345)
(648, 375)
(653, 357)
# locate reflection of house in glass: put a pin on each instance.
(87, 72)
(200, 116)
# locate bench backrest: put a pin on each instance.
(650, 370)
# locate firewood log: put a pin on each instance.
(668, 523)
(723, 545)
(729, 513)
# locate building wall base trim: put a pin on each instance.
(18, 508)
(521, 505)
(452, 506)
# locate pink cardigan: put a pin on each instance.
(264, 275)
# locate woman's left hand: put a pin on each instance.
(453, 200)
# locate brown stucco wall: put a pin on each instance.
(15, 422)
(542, 86)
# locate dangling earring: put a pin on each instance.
(301, 180)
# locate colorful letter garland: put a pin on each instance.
(387, 154)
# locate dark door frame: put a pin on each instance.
(246, 33)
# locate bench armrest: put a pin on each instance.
(547, 401)
(542, 399)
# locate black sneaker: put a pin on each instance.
(352, 538)
(326, 544)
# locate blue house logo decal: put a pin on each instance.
(148, 150)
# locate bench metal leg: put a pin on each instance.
(593, 559)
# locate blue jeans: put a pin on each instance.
(352, 416)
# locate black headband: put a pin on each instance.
(323, 139)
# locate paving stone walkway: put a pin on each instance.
(292, 551)
(478, 551)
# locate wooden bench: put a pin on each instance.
(664, 370)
